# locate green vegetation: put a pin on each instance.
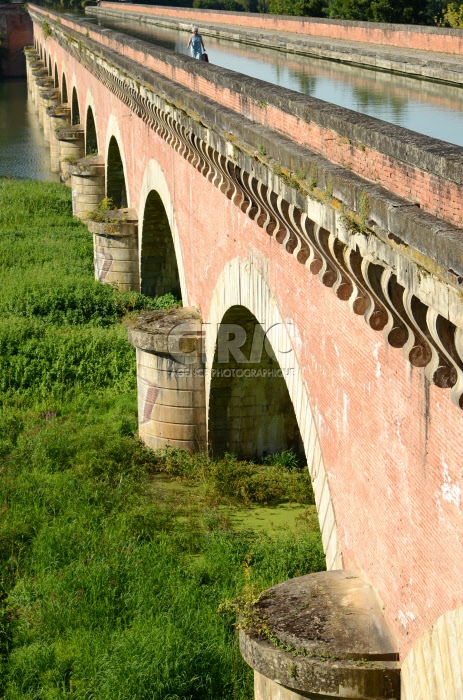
(428, 12)
(118, 564)
(453, 15)
(401, 11)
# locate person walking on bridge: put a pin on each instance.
(196, 43)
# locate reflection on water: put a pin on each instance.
(428, 108)
(23, 151)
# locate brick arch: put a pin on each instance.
(155, 181)
(75, 107)
(64, 88)
(90, 105)
(250, 411)
(241, 284)
(113, 134)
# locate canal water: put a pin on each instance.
(426, 107)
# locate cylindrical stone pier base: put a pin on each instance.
(42, 85)
(318, 636)
(170, 376)
(60, 117)
(88, 185)
(51, 99)
(115, 248)
(71, 149)
(38, 73)
(31, 58)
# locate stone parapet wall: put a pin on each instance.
(408, 36)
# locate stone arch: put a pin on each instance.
(155, 186)
(119, 184)
(115, 177)
(64, 89)
(50, 69)
(75, 111)
(56, 77)
(91, 140)
(434, 666)
(241, 285)
(41, 52)
(45, 57)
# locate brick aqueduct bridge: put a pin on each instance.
(319, 257)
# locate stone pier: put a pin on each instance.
(71, 149)
(31, 58)
(51, 99)
(60, 117)
(170, 375)
(43, 84)
(88, 185)
(38, 72)
(115, 247)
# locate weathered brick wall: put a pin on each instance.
(391, 442)
(407, 36)
(15, 33)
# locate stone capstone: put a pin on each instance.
(323, 633)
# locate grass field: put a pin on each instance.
(115, 560)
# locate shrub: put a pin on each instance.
(453, 16)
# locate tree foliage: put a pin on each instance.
(453, 16)
(394, 11)
(310, 8)
(398, 11)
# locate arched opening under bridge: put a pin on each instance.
(50, 69)
(45, 57)
(64, 90)
(250, 411)
(56, 84)
(158, 263)
(91, 142)
(75, 112)
(115, 179)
